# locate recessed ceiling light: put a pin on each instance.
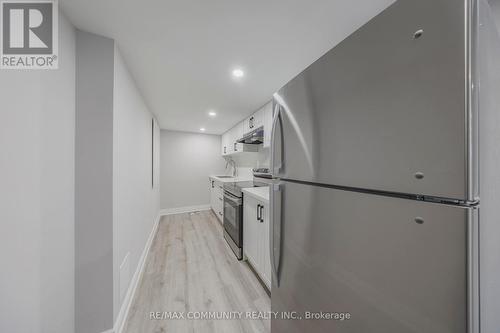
(202, 129)
(238, 73)
(212, 113)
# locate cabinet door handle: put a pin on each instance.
(235, 149)
(220, 213)
(261, 215)
(213, 186)
(258, 212)
(224, 149)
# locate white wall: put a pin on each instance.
(186, 161)
(116, 203)
(37, 129)
(245, 163)
(94, 183)
(489, 179)
(135, 202)
(495, 7)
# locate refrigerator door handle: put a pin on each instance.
(275, 230)
(276, 168)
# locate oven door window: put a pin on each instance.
(232, 220)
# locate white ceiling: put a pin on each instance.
(181, 52)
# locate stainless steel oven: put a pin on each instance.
(233, 222)
(233, 214)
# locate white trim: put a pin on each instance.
(129, 296)
(187, 209)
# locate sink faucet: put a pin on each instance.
(231, 162)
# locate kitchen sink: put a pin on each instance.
(224, 176)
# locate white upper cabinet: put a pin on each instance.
(253, 122)
(225, 144)
(261, 118)
(229, 139)
(235, 134)
(246, 125)
(258, 120)
(267, 120)
(238, 130)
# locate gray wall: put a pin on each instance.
(489, 152)
(186, 161)
(116, 203)
(94, 183)
(495, 7)
(135, 202)
(37, 194)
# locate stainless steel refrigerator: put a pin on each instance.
(386, 202)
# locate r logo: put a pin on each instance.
(27, 27)
(29, 34)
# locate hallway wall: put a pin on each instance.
(117, 203)
(187, 159)
(94, 183)
(136, 200)
(37, 131)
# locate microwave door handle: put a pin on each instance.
(275, 168)
(275, 229)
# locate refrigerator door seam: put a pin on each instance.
(275, 189)
(408, 196)
(471, 101)
(473, 271)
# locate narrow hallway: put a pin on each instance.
(190, 270)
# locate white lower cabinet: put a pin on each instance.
(250, 230)
(217, 198)
(256, 237)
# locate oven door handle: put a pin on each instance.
(233, 200)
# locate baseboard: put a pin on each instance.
(129, 296)
(181, 210)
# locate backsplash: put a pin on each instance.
(246, 162)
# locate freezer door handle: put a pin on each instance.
(276, 147)
(275, 230)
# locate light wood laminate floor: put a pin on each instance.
(191, 268)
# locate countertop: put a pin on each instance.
(230, 180)
(259, 193)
